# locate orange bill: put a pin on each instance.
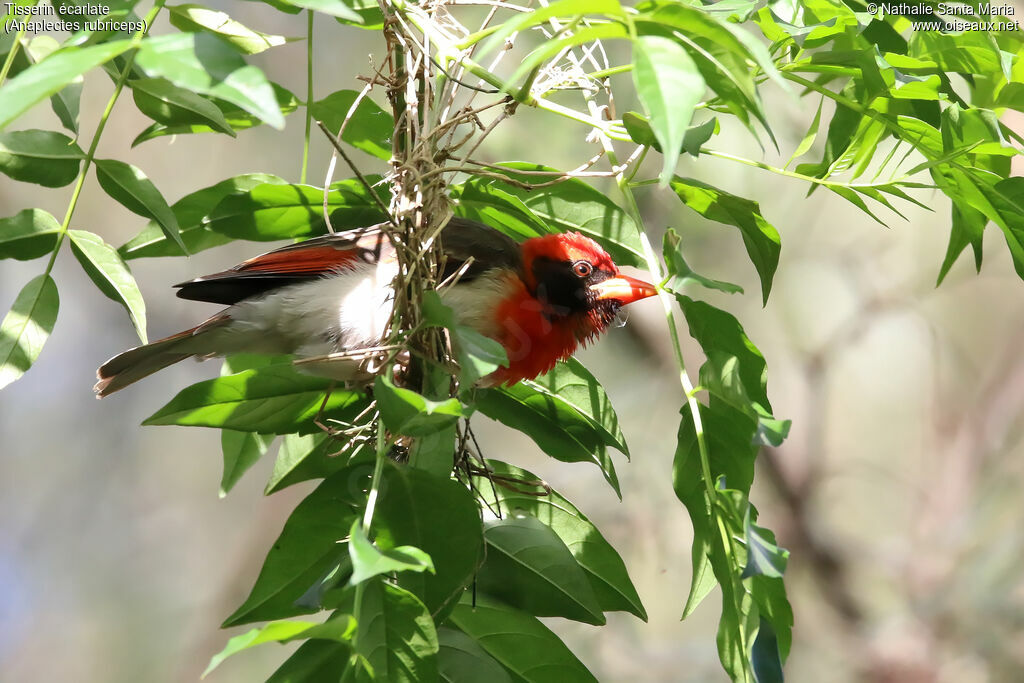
(623, 288)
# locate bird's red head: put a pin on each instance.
(574, 274)
(569, 292)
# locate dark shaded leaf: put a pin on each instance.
(519, 641)
(316, 661)
(166, 103)
(130, 187)
(438, 516)
(555, 425)
(395, 637)
(529, 567)
(306, 549)
(521, 491)
(460, 659)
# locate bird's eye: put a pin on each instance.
(582, 268)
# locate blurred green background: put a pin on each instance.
(898, 491)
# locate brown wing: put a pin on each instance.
(289, 265)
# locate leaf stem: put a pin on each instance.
(14, 49)
(91, 153)
(654, 265)
(378, 470)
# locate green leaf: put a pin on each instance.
(483, 201)
(335, 8)
(440, 517)
(460, 659)
(196, 18)
(669, 87)
(406, 412)
(478, 356)
(541, 15)
(40, 156)
(680, 271)
(110, 274)
(529, 567)
(316, 661)
(722, 339)
(236, 117)
(764, 557)
(271, 400)
(241, 450)
(510, 490)
(166, 103)
(554, 425)
(574, 205)
(205, 65)
(810, 135)
(311, 456)
(572, 383)
(639, 129)
(369, 128)
(273, 212)
(369, 561)
(760, 238)
(28, 234)
(396, 636)
(339, 628)
(51, 75)
(519, 641)
(132, 189)
(306, 549)
(65, 102)
(192, 213)
(26, 327)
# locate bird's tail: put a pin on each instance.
(142, 361)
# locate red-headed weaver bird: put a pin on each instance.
(540, 299)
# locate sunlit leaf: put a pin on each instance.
(369, 561)
(19, 94)
(110, 274)
(192, 18)
(203, 64)
(272, 400)
(669, 86)
(26, 327)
